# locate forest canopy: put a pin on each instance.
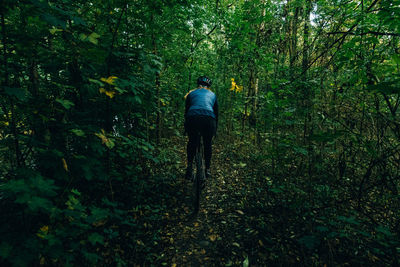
(306, 163)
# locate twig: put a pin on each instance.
(332, 44)
(368, 32)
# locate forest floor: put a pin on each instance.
(221, 233)
(247, 216)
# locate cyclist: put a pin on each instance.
(201, 118)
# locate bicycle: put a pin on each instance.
(200, 175)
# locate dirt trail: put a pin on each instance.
(218, 234)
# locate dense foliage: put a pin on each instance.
(92, 105)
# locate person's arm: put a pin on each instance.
(187, 104)
(215, 108)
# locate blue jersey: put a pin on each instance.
(201, 102)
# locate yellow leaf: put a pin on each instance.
(64, 164)
(261, 243)
(239, 88)
(44, 229)
(110, 94)
(233, 85)
(40, 235)
(213, 237)
(110, 80)
(373, 257)
(196, 224)
(173, 265)
(99, 223)
(203, 251)
(104, 140)
(102, 137)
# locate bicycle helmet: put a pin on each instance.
(204, 80)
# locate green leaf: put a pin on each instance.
(246, 262)
(277, 189)
(54, 30)
(82, 37)
(100, 213)
(78, 21)
(110, 143)
(19, 93)
(52, 20)
(138, 99)
(351, 220)
(96, 82)
(309, 241)
(34, 191)
(5, 250)
(387, 87)
(396, 58)
(76, 192)
(384, 230)
(93, 38)
(90, 38)
(91, 257)
(65, 103)
(78, 132)
(300, 150)
(39, 203)
(96, 238)
(322, 228)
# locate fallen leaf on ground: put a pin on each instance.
(213, 237)
(240, 212)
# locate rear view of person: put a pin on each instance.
(201, 118)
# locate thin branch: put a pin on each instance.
(198, 42)
(332, 44)
(114, 36)
(368, 32)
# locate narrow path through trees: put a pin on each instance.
(222, 233)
